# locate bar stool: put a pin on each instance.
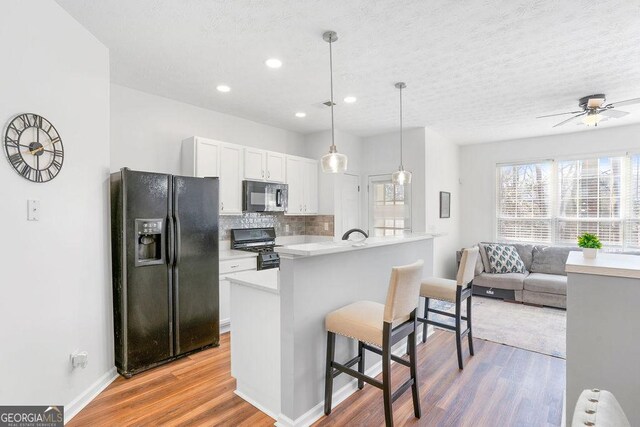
(455, 291)
(377, 327)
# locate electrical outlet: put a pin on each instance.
(79, 359)
(326, 226)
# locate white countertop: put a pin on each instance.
(264, 280)
(605, 264)
(331, 247)
(233, 254)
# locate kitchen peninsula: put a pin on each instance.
(279, 340)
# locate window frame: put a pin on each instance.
(386, 178)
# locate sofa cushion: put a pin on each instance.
(526, 253)
(501, 281)
(483, 256)
(504, 259)
(479, 265)
(550, 283)
(550, 259)
(544, 298)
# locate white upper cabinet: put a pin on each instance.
(302, 178)
(230, 179)
(261, 165)
(275, 166)
(254, 164)
(201, 157)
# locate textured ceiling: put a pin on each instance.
(476, 70)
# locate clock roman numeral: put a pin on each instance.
(15, 159)
(57, 165)
(51, 174)
(12, 126)
(37, 121)
(25, 171)
(25, 121)
(57, 153)
(39, 176)
(12, 143)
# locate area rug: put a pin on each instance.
(539, 329)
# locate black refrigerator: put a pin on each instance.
(164, 238)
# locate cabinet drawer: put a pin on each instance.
(233, 265)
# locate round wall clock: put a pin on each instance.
(34, 148)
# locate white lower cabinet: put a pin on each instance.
(227, 267)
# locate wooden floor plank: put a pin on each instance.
(500, 385)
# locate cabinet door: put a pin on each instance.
(310, 192)
(294, 180)
(254, 164)
(207, 157)
(230, 179)
(225, 301)
(275, 167)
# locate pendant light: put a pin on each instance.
(401, 176)
(332, 162)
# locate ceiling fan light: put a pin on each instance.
(592, 119)
(401, 177)
(334, 162)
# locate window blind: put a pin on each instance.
(632, 226)
(390, 207)
(524, 202)
(589, 200)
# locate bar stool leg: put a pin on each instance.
(386, 374)
(328, 381)
(469, 325)
(426, 316)
(360, 363)
(458, 338)
(413, 371)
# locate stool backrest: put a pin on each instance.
(466, 270)
(404, 292)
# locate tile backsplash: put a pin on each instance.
(310, 225)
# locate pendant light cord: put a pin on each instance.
(333, 138)
(401, 165)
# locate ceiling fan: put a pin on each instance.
(594, 110)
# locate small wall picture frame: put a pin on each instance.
(445, 204)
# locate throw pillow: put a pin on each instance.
(504, 259)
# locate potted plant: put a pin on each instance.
(589, 244)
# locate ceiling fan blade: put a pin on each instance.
(570, 119)
(623, 103)
(616, 114)
(559, 114)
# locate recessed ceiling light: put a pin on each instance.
(301, 114)
(273, 63)
(223, 88)
(350, 99)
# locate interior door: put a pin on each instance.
(254, 164)
(230, 179)
(195, 284)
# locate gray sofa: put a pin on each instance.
(543, 283)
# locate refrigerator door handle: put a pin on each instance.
(176, 229)
(170, 241)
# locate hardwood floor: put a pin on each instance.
(500, 386)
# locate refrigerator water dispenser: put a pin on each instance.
(149, 247)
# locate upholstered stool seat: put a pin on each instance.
(598, 408)
(439, 288)
(362, 321)
(377, 327)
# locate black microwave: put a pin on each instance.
(258, 196)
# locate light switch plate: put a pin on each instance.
(33, 210)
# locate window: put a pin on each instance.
(632, 228)
(389, 207)
(554, 202)
(524, 202)
(589, 200)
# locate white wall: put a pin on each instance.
(55, 275)
(478, 168)
(443, 174)
(147, 131)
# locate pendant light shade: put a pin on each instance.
(332, 162)
(401, 176)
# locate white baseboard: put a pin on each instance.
(339, 396)
(256, 404)
(225, 326)
(76, 405)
